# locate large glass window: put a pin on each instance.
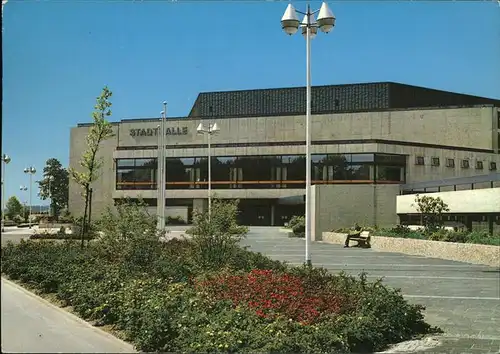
(293, 171)
(360, 173)
(262, 172)
(390, 168)
(136, 173)
(390, 173)
(222, 172)
(180, 173)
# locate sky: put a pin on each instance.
(58, 55)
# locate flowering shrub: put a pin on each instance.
(273, 295)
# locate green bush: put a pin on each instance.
(298, 226)
(175, 220)
(208, 294)
(401, 231)
(483, 237)
(9, 223)
(477, 237)
(18, 219)
(25, 225)
(129, 235)
(216, 236)
(59, 236)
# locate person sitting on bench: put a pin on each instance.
(355, 233)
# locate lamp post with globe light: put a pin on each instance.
(290, 24)
(5, 160)
(31, 171)
(161, 164)
(209, 130)
(23, 189)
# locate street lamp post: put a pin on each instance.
(160, 209)
(290, 24)
(31, 171)
(5, 160)
(210, 130)
(23, 189)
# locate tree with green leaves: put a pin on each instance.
(90, 164)
(431, 210)
(216, 235)
(13, 208)
(55, 185)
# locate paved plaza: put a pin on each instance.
(15, 234)
(462, 299)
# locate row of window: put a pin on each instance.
(254, 172)
(449, 162)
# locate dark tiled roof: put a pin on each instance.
(327, 99)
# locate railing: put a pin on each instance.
(266, 184)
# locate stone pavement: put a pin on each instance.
(32, 325)
(463, 299)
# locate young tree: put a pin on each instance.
(215, 236)
(13, 208)
(431, 209)
(55, 185)
(91, 165)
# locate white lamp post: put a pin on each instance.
(160, 209)
(210, 130)
(31, 171)
(5, 160)
(290, 24)
(23, 189)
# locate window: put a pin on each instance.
(360, 158)
(435, 161)
(136, 173)
(394, 160)
(479, 165)
(261, 172)
(493, 166)
(419, 160)
(450, 163)
(360, 173)
(181, 173)
(293, 171)
(390, 173)
(464, 163)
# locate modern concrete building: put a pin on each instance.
(473, 202)
(367, 140)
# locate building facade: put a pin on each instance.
(363, 136)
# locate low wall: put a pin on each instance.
(461, 252)
(53, 225)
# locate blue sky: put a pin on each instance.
(57, 56)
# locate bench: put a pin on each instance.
(363, 239)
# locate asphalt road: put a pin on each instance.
(462, 299)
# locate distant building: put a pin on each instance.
(367, 140)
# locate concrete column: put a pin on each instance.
(272, 214)
(490, 224)
(315, 220)
(468, 223)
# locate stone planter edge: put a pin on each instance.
(461, 252)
